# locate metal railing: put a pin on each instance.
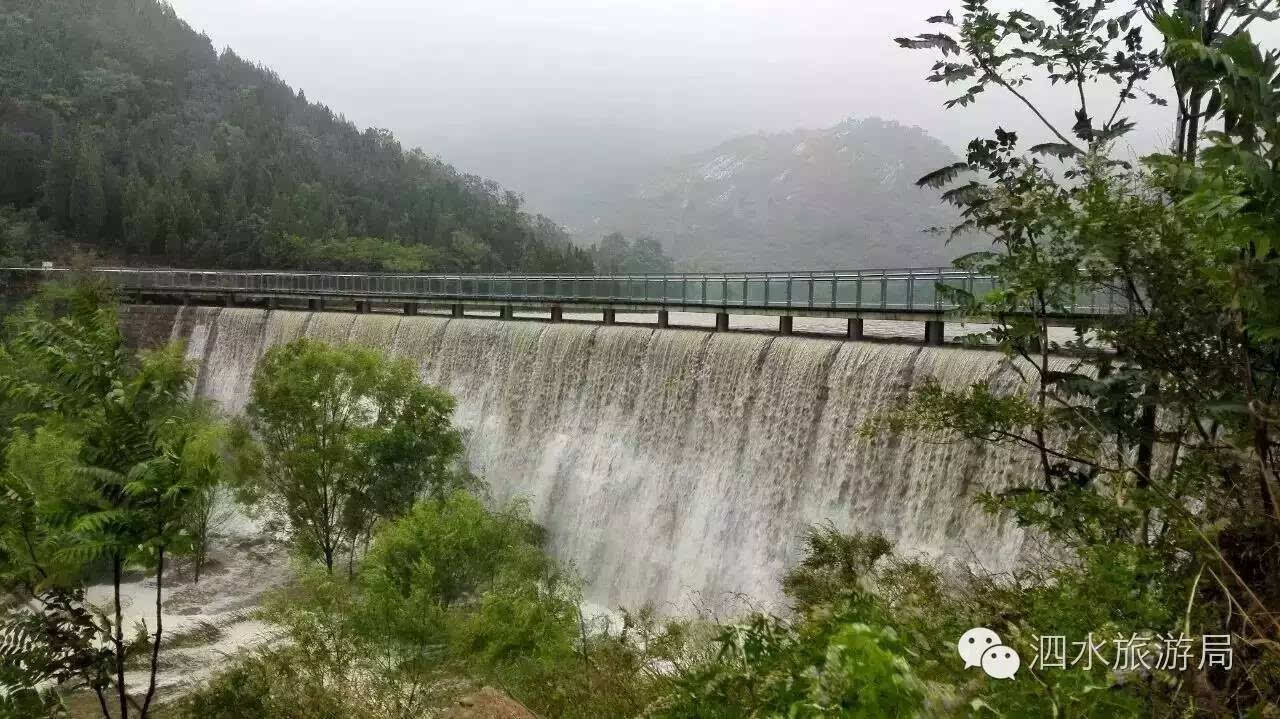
(885, 290)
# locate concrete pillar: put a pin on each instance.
(933, 332)
(664, 319)
(362, 307)
(457, 310)
(722, 322)
(229, 300)
(557, 314)
(784, 325)
(271, 303)
(855, 328)
(610, 317)
(313, 304)
(507, 312)
(411, 308)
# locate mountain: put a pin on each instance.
(841, 197)
(124, 133)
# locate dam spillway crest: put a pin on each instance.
(667, 465)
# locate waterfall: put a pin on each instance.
(670, 465)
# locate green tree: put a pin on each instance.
(349, 437)
(104, 459)
(450, 589)
(226, 158)
(88, 202)
(1156, 437)
(59, 176)
(615, 254)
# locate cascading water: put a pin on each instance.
(667, 464)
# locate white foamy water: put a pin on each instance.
(668, 464)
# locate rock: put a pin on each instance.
(488, 703)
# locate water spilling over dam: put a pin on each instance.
(671, 464)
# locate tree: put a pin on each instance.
(450, 589)
(106, 455)
(227, 158)
(348, 437)
(615, 254)
(88, 205)
(1156, 438)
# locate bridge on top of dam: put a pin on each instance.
(857, 295)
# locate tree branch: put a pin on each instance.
(1256, 12)
(991, 73)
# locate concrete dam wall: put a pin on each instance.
(668, 465)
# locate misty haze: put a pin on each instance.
(639, 359)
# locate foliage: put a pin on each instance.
(272, 684)
(103, 458)
(124, 130)
(450, 593)
(23, 238)
(615, 254)
(767, 668)
(354, 254)
(1156, 438)
(349, 438)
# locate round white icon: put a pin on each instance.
(973, 643)
(1001, 662)
(981, 647)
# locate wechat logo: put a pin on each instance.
(981, 647)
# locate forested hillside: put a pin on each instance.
(843, 197)
(125, 134)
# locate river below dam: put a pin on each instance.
(671, 467)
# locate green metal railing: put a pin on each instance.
(886, 290)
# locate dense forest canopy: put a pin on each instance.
(124, 133)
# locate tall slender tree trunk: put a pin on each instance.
(155, 645)
(102, 702)
(117, 567)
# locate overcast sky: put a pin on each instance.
(475, 81)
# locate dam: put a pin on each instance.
(668, 466)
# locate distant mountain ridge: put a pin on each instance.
(840, 197)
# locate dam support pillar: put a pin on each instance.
(855, 328)
(664, 319)
(456, 310)
(610, 317)
(411, 308)
(315, 304)
(933, 332)
(362, 307)
(557, 314)
(507, 312)
(722, 322)
(271, 303)
(784, 325)
(229, 300)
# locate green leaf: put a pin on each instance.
(943, 176)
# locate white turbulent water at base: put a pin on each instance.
(672, 466)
